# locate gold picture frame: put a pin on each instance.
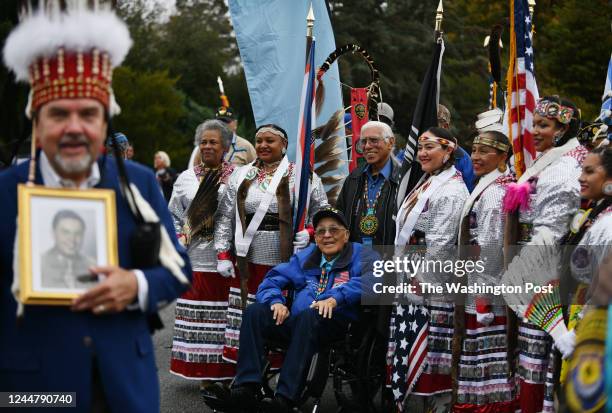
(55, 225)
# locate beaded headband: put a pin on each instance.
(483, 140)
(554, 110)
(435, 139)
(273, 131)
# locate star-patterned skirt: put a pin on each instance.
(419, 355)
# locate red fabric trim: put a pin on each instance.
(531, 397)
(207, 286)
(203, 370)
(432, 383)
(225, 255)
(501, 407)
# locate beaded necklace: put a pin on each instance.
(369, 223)
(322, 281)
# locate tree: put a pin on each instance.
(151, 110)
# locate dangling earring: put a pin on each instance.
(284, 151)
(501, 167)
(557, 139)
(445, 159)
(607, 189)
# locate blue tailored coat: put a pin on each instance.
(52, 348)
(302, 274)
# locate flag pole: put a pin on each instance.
(304, 155)
(439, 18)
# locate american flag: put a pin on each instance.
(410, 328)
(304, 155)
(522, 87)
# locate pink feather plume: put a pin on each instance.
(517, 197)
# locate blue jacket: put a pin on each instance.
(302, 273)
(52, 347)
(463, 163)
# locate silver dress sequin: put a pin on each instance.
(264, 248)
(439, 221)
(486, 230)
(554, 199)
(556, 196)
(483, 371)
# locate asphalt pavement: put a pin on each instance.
(179, 395)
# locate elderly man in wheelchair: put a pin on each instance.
(326, 283)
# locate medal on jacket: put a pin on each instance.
(369, 223)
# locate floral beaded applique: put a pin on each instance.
(263, 178)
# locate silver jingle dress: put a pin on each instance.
(200, 315)
(439, 222)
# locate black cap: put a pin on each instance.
(329, 212)
(225, 114)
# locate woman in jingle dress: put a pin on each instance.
(591, 234)
(199, 328)
(482, 376)
(259, 246)
(429, 216)
(540, 208)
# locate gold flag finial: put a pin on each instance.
(531, 4)
(439, 17)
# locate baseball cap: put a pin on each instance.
(329, 213)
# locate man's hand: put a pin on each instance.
(602, 294)
(281, 312)
(325, 307)
(112, 295)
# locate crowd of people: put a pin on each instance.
(227, 252)
(471, 362)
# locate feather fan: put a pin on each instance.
(536, 264)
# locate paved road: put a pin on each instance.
(179, 395)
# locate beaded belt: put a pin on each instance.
(268, 223)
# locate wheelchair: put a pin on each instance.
(355, 364)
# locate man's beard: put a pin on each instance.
(74, 166)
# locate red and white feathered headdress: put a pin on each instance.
(69, 53)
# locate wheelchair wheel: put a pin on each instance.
(360, 375)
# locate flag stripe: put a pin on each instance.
(522, 87)
(304, 151)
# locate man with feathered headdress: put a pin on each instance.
(100, 348)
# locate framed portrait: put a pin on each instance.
(61, 234)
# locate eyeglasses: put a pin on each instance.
(372, 140)
(333, 231)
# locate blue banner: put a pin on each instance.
(271, 36)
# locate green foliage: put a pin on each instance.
(151, 109)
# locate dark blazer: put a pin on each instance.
(52, 348)
(350, 202)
